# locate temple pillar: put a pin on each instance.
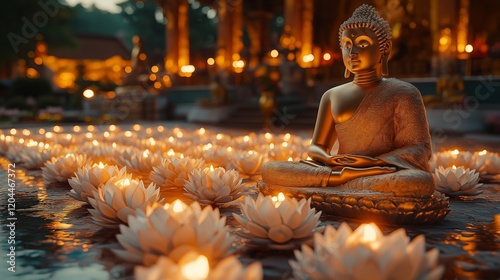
(230, 32)
(443, 18)
(176, 34)
(299, 16)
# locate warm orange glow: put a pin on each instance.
(308, 58)
(143, 56)
(369, 234)
(88, 93)
(454, 167)
(157, 85)
(136, 127)
(128, 69)
(277, 200)
(178, 206)
(197, 269)
(128, 133)
(482, 153)
(13, 131)
(57, 129)
(152, 77)
(327, 56)
(100, 165)
(274, 53)
(76, 128)
(38, 61)
(469, 48)
(210, 61)
(154, 69)
(32, 73)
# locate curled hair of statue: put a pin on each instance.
(366, 16)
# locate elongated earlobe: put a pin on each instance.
(347, 73)
(385, 65)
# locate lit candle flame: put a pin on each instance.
(277, 200)
(171, 153)
(268, 136)
(106, 134)
(246, 138)
(211, 168)
(201, 131)
(229, 149)
(128, 133)
(68, 136)
(290, 159)
(178, 207)
(125, 183)
(483, 153)
(197, 269)
(113, 145)
(171, 139)
(369, 234)
(100, 165)
(455, 152)
(112, 127)
(218, 136)
(284, 144)
(454, 167)
(145, 154)
(95, 143)
(287, 137)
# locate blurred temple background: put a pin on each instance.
(236, 62)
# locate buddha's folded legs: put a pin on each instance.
(295, 174)
(407, 182)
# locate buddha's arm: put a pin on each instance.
(411, 133)
(324, 135)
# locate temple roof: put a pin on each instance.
(98, 47)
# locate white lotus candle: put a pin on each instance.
(366, 254)
(115, 201)
(195, 266)
(60, 169)
(89, 178)
(248, 163)
(278, 222)
(211, 186)
(455, 181)
(487, 162)
(164, 231)
(450, 158)
(173, 172)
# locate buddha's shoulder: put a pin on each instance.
(400, 88)
(338, 90)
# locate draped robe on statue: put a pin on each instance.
(389, 124)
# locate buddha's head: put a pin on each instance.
(365, 41)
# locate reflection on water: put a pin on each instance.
(55, 237)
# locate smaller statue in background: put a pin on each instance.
(218, 92)
(139, 62)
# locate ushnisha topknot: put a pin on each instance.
(366, 16)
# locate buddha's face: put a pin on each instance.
(360, 50)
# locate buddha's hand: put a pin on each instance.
(358, 161)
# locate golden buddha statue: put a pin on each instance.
(371, 134)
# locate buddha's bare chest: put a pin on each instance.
(345, 104)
